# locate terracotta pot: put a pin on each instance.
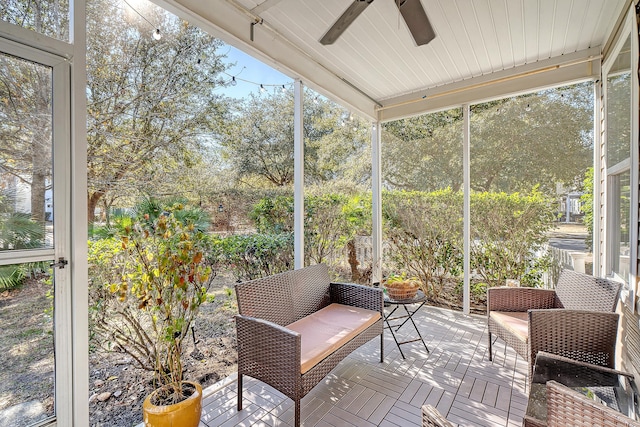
(182, 414)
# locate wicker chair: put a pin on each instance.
(271, 352)
(568, 408)
(432, 418)
(576, 320)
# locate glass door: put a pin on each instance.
(35, 361)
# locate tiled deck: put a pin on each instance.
(456, 377)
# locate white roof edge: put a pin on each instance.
(565, 69)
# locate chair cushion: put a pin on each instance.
(517, 322)
(328, 329)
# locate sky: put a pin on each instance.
(250, 74)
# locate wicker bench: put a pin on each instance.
(293, 328)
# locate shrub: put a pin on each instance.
(254, 255)
(508, 232)
(146, 289)
(425, 234)
(507, 236)
(329, 223)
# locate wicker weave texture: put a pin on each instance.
(578, 291)
(310, 290)
(519, 299)
(269, 298)
(586, 336)
(270, 352)
(358, 296)
(432, 418)
(512, 340)
(568, 408)
(582, 294)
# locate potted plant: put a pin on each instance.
(146, 312)
(400, 287)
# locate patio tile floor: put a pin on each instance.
(456, 377)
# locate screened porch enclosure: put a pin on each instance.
(482, 52)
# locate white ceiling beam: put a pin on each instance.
(230, 22)
(266, 5)
(565, 69)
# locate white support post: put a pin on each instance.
(466, 153)
(598, 177)
(376, 202)
(79, 231)
(298, 176)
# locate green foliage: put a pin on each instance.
(507, 234)
(273, 215)
(255, 255)
(152, 106)
(147, 285)
(425, 234)
(331, 220)
(536, 139)
(12, 276)
(259, 143)
(149, 210)
(17, 231)
(587, 206)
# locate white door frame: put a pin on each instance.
(61, 149)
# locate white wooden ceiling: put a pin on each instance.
(375, 67)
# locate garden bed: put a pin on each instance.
(116, 387)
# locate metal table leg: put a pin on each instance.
(408, 317)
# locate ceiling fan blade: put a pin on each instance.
(349, 15)
(416, 18)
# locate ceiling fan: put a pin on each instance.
(411, 10)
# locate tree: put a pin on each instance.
(424, 152)
(544, 138)
(25, 101)
(516, 143)
(50, 17)
(26, 127)
(261, 141)
(152, 104)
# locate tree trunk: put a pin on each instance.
(38, 187)
(353, 260)
(92, 204)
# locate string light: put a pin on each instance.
(234, 79)
(157, 35)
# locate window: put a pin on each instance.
(621, 178)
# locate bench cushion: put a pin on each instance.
(328, 329)
(517, 322)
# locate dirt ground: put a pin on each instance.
(117, 387)
(26, 346)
